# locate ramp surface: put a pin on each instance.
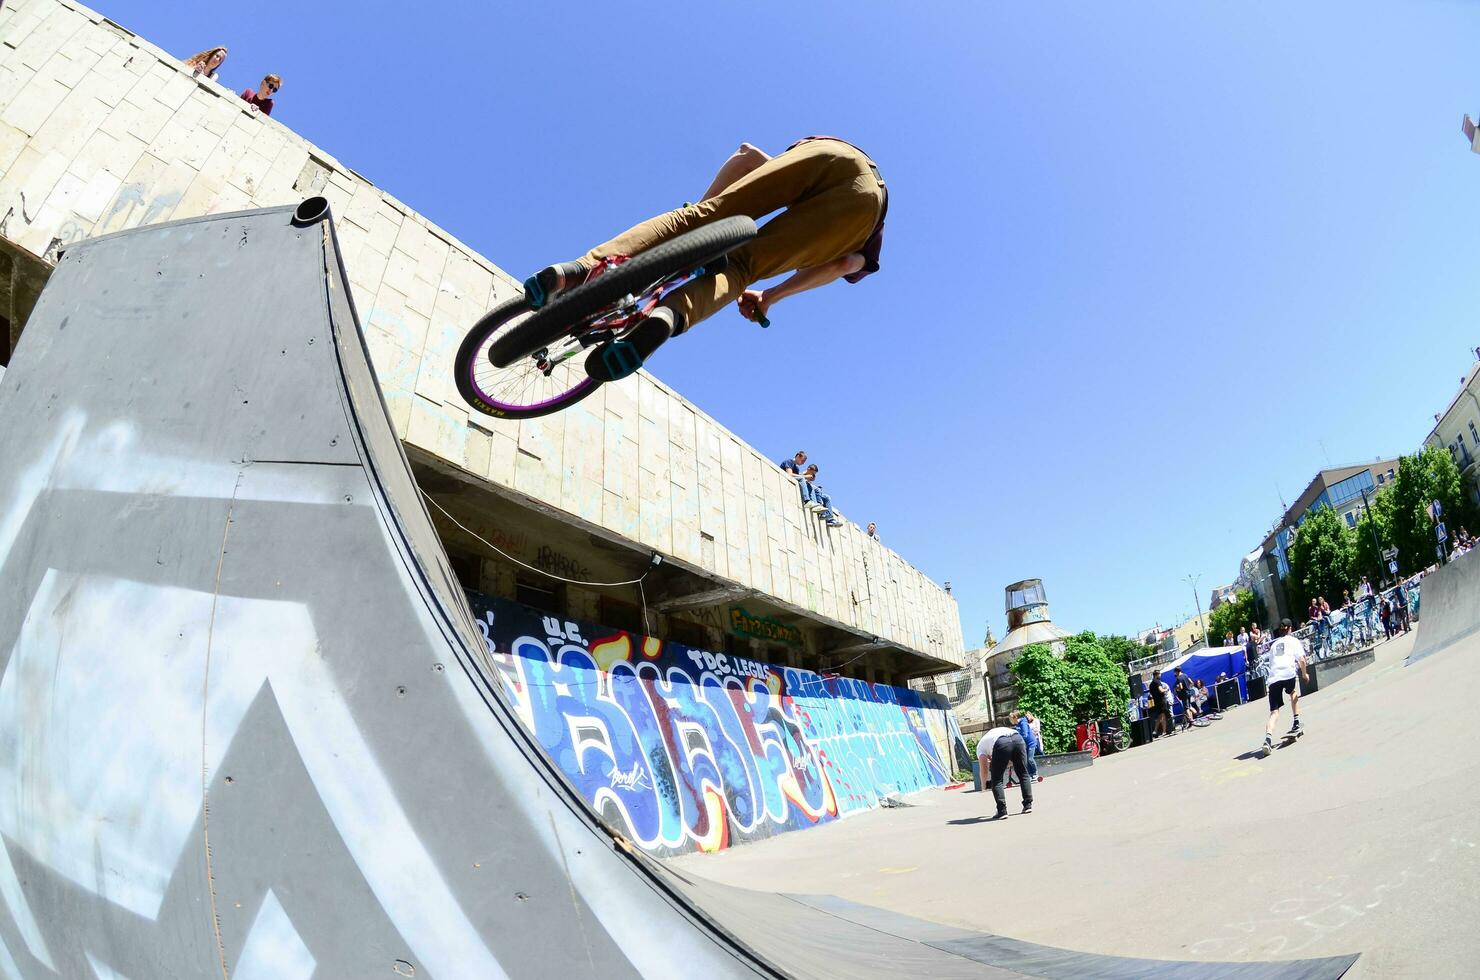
(247, 725)
(1450, 609)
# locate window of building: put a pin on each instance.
(689, 634)
(1351, 519)
(1474, 434)
(1390, 472)
(621, 615)
(544, 596)
(1346, 490)
(1381, 479)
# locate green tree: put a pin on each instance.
(1122, 650)
(1321, 559)
(1045, 688)
(1230, 617)
(1430, 475)
(1373, 536)
(1086, 684)
(1100, 684)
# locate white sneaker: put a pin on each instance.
(813, 506)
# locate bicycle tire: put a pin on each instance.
(466, 361)
(687, 251)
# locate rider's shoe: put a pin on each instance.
(1295, 730)
(544, 285)
(616, 359)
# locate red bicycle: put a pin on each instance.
(1093, 740)
(522, 359)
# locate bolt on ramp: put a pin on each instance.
(247, 724)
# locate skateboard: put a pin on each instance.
(1286, 740)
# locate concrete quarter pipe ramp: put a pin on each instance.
(1451, 607)
(247, 726)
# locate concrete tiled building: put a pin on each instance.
(100, 131)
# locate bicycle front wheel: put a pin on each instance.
(531, 387)
(571, 310)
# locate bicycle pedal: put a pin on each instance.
(621, 359)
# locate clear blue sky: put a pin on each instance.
(1149, 266)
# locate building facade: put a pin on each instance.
(1457, 429)
(101, 131)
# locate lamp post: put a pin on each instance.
(1372, 526)
(1192, 581)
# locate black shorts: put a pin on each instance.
(1277, 692)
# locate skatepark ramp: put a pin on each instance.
(1451, 607)
(248, 726)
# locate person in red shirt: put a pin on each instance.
(261, 99)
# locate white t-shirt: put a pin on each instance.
(1285, 655)
(989, 739)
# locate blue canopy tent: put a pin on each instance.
(1206, 665)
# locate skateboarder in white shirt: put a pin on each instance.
(1286, 657)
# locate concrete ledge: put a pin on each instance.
(1059, 763)
(1064, 762)
(1328, 672)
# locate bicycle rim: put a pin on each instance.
(526, 388)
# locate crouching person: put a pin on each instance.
(998, 749)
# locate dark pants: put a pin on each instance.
(1010, 749)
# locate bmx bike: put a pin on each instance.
(523, 358)
(1097, 741)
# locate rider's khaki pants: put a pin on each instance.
(831, 193)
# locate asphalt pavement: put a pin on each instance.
(1363, 836)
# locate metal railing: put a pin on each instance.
(1345, 631)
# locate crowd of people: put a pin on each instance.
(207, 64)
(1388, 608)
(1158, 697)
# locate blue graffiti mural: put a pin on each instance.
(681, 749)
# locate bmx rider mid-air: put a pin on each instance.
(832, 203)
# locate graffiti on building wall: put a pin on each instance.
(743, 623)
(682, 749)
(549, 560)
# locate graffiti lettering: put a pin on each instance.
(721, 663)
(762, 628)
(683, 749)
(549, 560)
(632, 780)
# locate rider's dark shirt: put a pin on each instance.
(871, 248)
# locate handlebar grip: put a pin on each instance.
(761, 319)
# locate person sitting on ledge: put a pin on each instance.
(207, 63)
(261, 99)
